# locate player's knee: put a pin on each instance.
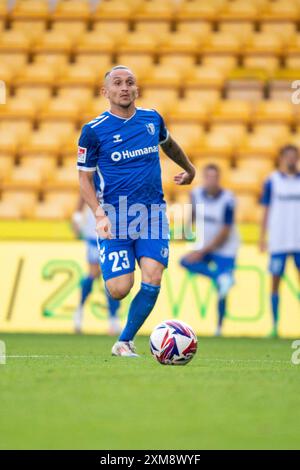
(153, 278)
(118, 290)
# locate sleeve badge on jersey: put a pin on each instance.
(81, 155)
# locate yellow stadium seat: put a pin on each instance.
(245, 89)
(65, 177)
(76, 75)
(242, 181)
(8, 142)
(214, 145)
(209, 98)
(61, 128)
(231, 111)
(285, 30)
(7, 74)
(273, 111)
(41, 142)
(23, 178)
(6, 164)
(78, 94)
(224, 63)
(281, 11)
(234, 131)
(139, 43)
(292, 53)
(54, 42)
(60, 108)
(166, 96)
(183, 62)
(248, 210)
(278, 131)
(33, 29)
(186, 110)
(269, 64)
(295, 140)
(56, 60)
(3, 10)
(73, 29)
(160, 27)
(38, 74)
(15, 61)
(179, 43)
(240, 10)
(17, 108)
(70, 146)
(24, 200)
(257, 145)
(162, 76)
(155, 10)
(263, 44)
(113, 10)
(43, 164)
(49, 211)
(30, 10)
(96, 43)
(74, 10)
(66, 199)
(114, 28)
(241, 29)
(14, 41)
(10, 211)
(100, 63)
(206, 78)
(21, 128)
(197, 11)
(199, 29)
(188, 135)
(257, 165)
(221, 43)
(38, 95)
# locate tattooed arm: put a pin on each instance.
(175, 153)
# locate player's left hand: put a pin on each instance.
(185, 177)
(194, 256)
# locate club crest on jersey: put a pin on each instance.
(164, 252)
(117, 138)
(150, 128)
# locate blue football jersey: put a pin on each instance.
(124, 154)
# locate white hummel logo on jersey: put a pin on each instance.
(117, 138)
(151, 128)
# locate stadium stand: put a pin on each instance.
(220, 72)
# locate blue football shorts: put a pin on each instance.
(278, 262)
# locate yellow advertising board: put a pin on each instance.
(39, 291)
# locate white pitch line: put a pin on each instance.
(208, 359)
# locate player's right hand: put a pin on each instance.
(103, 227)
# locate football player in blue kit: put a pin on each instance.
(214, 256)
(281, 222)
(120, 180)
(84, 225)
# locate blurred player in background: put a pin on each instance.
(118, 156)
(281, 221)
(214, 256)
(84, 225)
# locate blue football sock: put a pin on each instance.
(86, 287)
(275, 305)
(139, 309)
(221, 311)
(113, 304)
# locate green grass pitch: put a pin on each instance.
(67, 392)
